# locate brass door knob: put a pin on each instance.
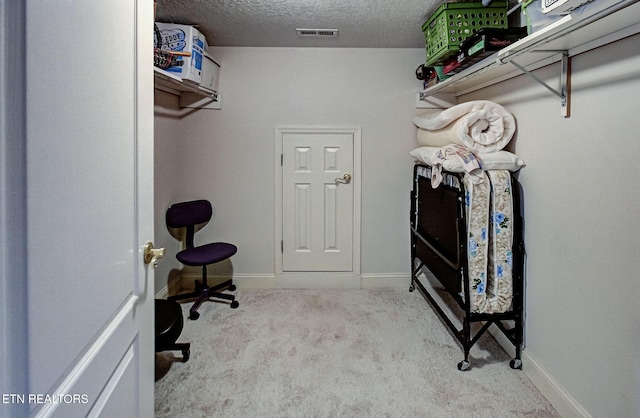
(346, 179)
(152, 255)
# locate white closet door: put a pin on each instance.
(89, 208)
(318, 203)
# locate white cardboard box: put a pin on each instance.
(210, 73)
(561, 6)
(184, 38)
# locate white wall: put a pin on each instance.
(227, 155)
(167, 181)
(582, 225)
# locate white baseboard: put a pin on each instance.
(342, 281)
(561, 400)
(174, 284)
(255, 281)
(557, 396)
(304, 280)
(385, 281)
(319, 280)
(162, 293)
(502, 340)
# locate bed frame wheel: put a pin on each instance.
(412, 288)
(516, 363)
(463, 365)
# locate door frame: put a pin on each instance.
(13, 211)
(356, 132)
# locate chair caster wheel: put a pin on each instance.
(185, 355)
(194, 315)
(234, 304)
(516, 363)
(232, 287)
(412, 288)
(463, 365)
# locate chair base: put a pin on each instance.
(204, 293)
(185, 348)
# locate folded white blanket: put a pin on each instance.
(465, 157)
(480, 125)
(498, 160)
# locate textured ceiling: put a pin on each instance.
(361, 23)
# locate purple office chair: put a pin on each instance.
(188, 215)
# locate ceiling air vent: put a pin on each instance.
(317, 33)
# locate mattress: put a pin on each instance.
(488, 208)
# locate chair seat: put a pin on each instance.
(206, 254)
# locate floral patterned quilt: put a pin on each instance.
(489, 209)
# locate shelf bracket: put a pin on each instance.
(198, 101)
(435, 101)
(563, 94)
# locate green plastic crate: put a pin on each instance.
(452, 23)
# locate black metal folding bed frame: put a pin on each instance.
(439, 243)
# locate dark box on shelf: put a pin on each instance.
(485, 42)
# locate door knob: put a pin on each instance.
(152, 255)
(346, 179)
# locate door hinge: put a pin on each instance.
(282, 246)
(281, 160)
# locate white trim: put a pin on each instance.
(175, 284)
(386, 281)
(13, 207)
(317, 280)
(162, 293)
(322, 280)
(502, 340)
(557, 395)
(277, 205)
(255, 281)
(247, 281)
(356, 131)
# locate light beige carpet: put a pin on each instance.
(336, 353)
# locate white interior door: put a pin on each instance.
(89, 200)
(318, 201)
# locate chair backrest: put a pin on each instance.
(189, 214)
